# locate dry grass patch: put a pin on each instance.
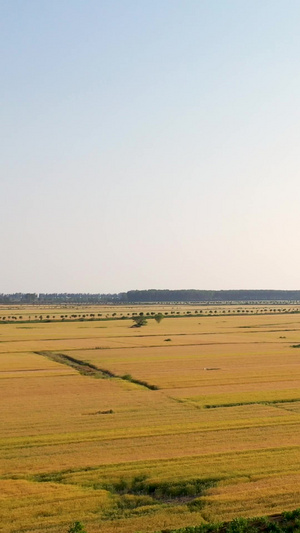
(28, 506)
(269, 495)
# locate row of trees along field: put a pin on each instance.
(140, 318)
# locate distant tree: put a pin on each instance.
(158, 318)
(139, 321)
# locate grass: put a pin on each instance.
(286, 522)
(87, 369)
(122, 457)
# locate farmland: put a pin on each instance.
(193, 419)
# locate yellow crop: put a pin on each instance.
(75, 446)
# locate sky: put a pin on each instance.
(149, 144)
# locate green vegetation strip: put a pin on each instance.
(162, 491)
(259, 402)
(287, 522)
(88, 369)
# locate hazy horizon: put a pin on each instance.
(149, 145)
(154, 289)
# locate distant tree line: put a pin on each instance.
(59, 298)
(154, 296)
(193, 295)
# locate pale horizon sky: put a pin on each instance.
(149, 144)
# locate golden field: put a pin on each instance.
(219, 438)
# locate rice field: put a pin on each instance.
(84, 437)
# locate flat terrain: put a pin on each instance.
(176, 423)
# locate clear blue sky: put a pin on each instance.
(149, 144)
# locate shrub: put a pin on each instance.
(76, 527)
